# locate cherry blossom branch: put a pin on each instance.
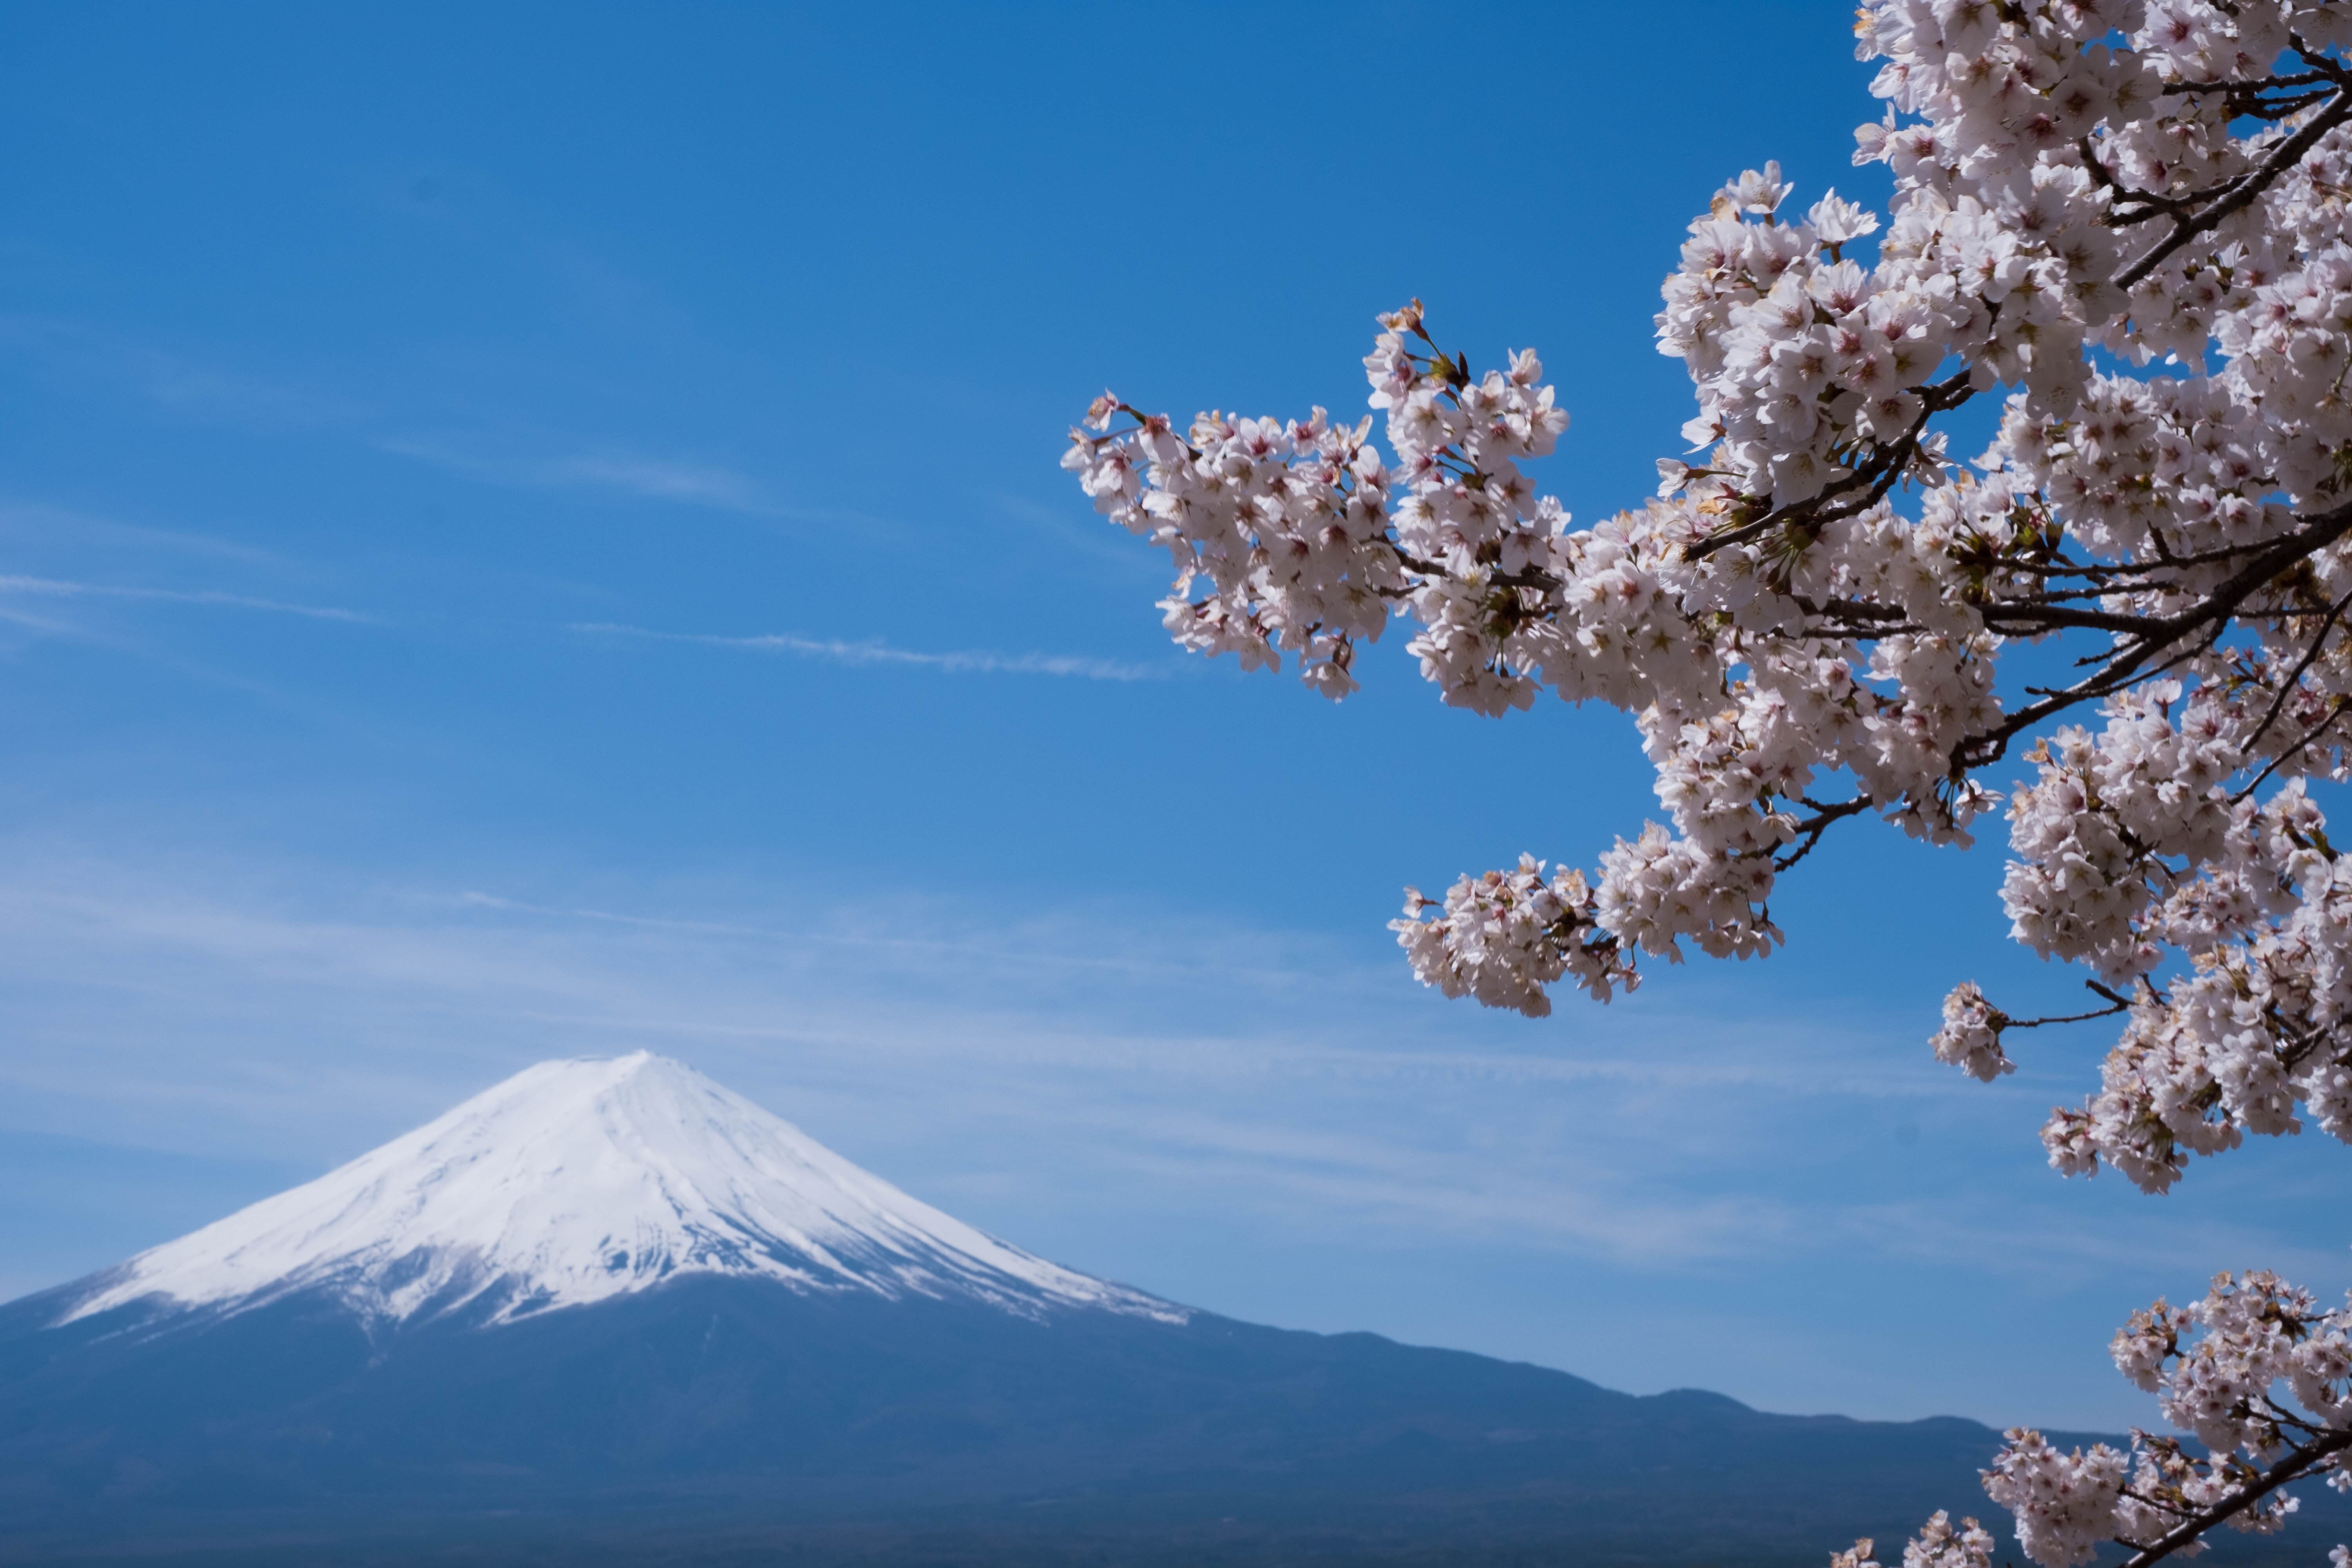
(2117, 1003)
(1811, 828)
(1772, 621)
(2293, 682)
(2242, 191)
(2335, 711)
(2170, 444)
(1875, 478)
(2300, 1463)
(2150, 635)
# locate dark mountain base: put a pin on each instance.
(973, 1539)
(725, 1421)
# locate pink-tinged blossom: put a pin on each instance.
(1971, 1038)
(1808, 621)
(2257, 1371)
(2120, 227)
(2065, 1504)
(1938, 1545)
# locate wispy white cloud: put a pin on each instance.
(48, 625)
(1176, 1102)
(1313, 1103)
(218, 395)
(621, 471)
(61, 588)
(39, 522)
(925, 985)
(873, 651)
(659, 479)
(1013, 944)
(1077, 529)
(208, 393)
(215, 394)
(1280, 1170)
(869, 652)
(2043, 1245)
(1101, 1105)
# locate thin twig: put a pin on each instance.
(2301, 1460)
(1814, 827)
(1875, 478)
(2294, 681)
(2253, 184)
(2333, 713)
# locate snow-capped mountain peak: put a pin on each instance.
(573, 1181)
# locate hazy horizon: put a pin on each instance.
(537, 534)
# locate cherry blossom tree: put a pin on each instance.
(2129, 222)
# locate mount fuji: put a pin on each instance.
(607, 1311)
(576, 1182)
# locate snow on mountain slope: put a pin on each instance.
(573, 1181)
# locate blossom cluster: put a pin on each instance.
(2131, 221)
(1280, 531)
(1937, 1545)
(2216, 1367)
(2254, 1031)
(1527, 922)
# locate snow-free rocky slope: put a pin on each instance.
(608, 1312)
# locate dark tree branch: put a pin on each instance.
(1814, 827)
(1875, 478)
(2119, 1004)
(2294, 682)
(2240, 192)
(2149, 635)
(2301, 1460)
(2334, 712)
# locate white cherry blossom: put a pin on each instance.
(2256, 1371)
(2126, 226)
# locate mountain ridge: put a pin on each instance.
(438, 1352)
(722, 1406)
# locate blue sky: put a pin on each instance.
(535, 532)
